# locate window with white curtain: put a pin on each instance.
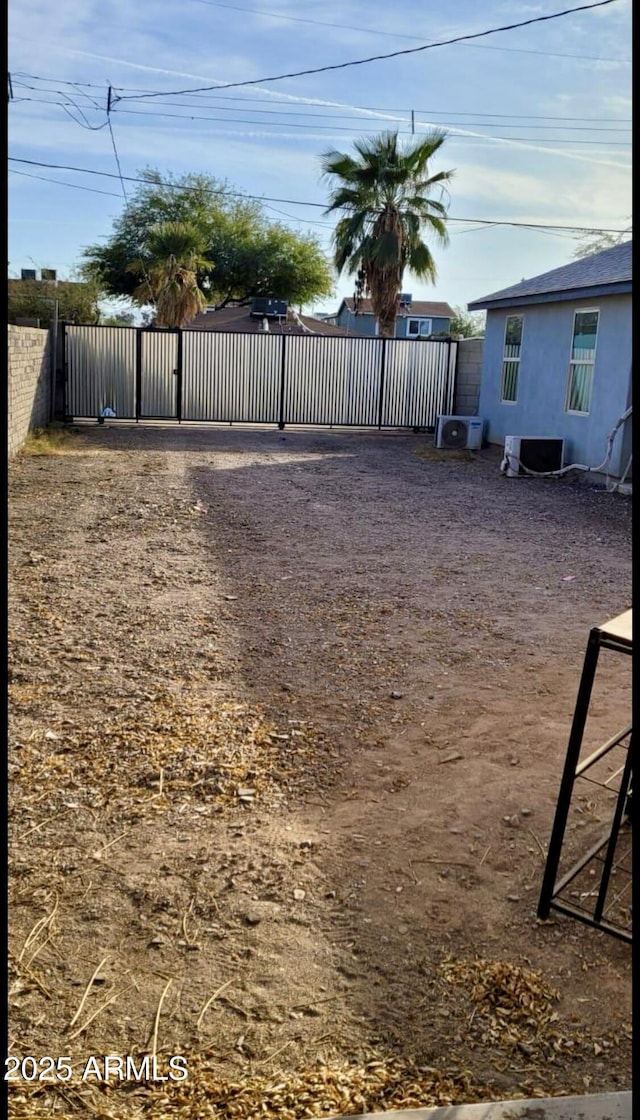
(582, 360)
(511, 357)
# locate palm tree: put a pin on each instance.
(171, 259)
(386, 195)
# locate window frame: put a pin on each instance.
(511, 360)
(420, 333)
(573, 362)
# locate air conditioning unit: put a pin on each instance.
(267, 306)
(459, 432)
(48, 274)
(534, 454)
(27, 273)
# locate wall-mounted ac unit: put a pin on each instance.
(459, 432)
(535, 454)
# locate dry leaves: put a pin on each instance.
(320, 1090)
(514, 1007)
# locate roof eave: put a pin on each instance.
(592, 291)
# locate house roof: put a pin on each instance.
(240, 320)
(429, 308)
(604, 273)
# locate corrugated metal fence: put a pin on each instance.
(257, 378)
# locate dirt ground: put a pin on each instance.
(288, 715)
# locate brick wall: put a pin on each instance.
(468, 374)
(29, 383)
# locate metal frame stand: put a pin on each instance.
(612, 852)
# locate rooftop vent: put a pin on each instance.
(268, 307)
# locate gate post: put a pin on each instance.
(65, 375)
(178, 372)
(282, 377)
(138, 389)
(383, 370)
(451, 376)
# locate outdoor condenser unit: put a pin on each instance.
(268, 307)
(540, 455)
(459, 432)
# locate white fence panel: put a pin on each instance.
(233, 377)
(258, 378)
(158, 374)
(418, 382)
(101, 370)
(332, 380)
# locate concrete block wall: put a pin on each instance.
(29, 383)
(468, 375)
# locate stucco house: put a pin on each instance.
(557, 358)
(416, 318)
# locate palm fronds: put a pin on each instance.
(169, 265)
(384, 195)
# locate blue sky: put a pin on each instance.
(538, 119)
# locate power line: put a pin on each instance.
(62, 183)
(319, 118)
(113, 144)
(345, 128)
(391, 54)
(115, 152)
(294, 201)
(359, 108)
(399, 35)
(333, 116)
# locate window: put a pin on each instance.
(417, 328)
(583, 355)
(511, 357)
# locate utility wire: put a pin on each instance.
(603, 143)
(283, 213)
(318, 118)
(202, 102)
(115, 152)
(391, 54)
(293, 201)
(399, 35)
(62, 183)
(329, 117)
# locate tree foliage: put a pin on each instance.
(384, 193)
(167, 272)
(596, 242)
(467, 324)
(35, 299)
(246, 254)
(120, 319)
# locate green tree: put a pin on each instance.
(385, 194)
(35, 299)
(247, 254)
(467, 324)
(120, 319)
(167, 271)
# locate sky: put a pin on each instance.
(537, 119)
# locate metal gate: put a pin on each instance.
(145, 374)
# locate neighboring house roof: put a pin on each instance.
(604, 273)
(417, 307)
(240, 320)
